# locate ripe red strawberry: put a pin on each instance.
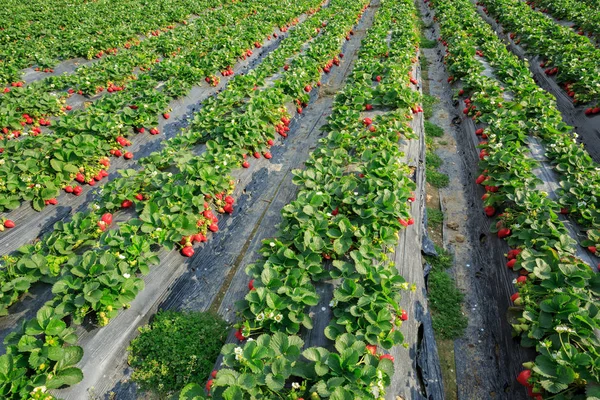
(286, 67)
(335, 212)
(368, 107)
(480, 179)
(9, 224)
(404, 315)
(154, 131)
(267, 155)
(299, 110)
(511, 263)
(117, 153)
(229, 200)
(410, 221)
(77, 190)
(79, 177)
(140, 129)
(515, 297)
(403, 222)
(461, 92)
(246, 164)
(251, 284)
(107, 218)
(341, 55)
(523, 377)
(593, 249)
(270, 142)
(128, 155)
(53, 202)
(388, 356)
(489, 211)
(307, 88)
(213, 227)
(372, 128)
(228, 208)
(126, 203)
(139, 196)
(214, 374)
(378, 78)
(479, 131)
(564, 211)
(92, 182)
(504, 232)
(521, 279)
(239, 335)
(166, 116)
(372, 349)
(101, 225)
(69, 189)
(256, 154)
(187, 251)
(367, 121)
(68, 108)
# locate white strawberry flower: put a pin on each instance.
(158, 230)
(271, 315)
(238, 350)
(126, 275)
(260, 316)
(295, 385)
(122, 257)
(272, 244)
(279, 318)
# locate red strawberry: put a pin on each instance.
(523, 377)
(270, 142)
(239, 335)
(256, 154)
(213, 227)
(368, 107)
(511, 263)
(246, 164)
(9, 224)
(521, 279)
(299, 110)
(251, 284)
(410, 221)
(229, 200)
(128, 155)
(372, 349)
(593, 249)
(335, 212)
(403, 222)
(489, 211)
(79, 177)
(139, 196)
(77, 190)
(92, 182)
(126, 203)
(367, 121)
(187, 251)
(68, 108)
(154, 131)
(461, 92)
(515, 297)
(378, 78)
(69, 189)
(564, 210)
(107, 218)
(117, 153)
(404, 315)
(307, 88)
(140, 129)
(388, 356)
(480, 179)
(268, 155)
(479, 131)
(504, 232)
(214, 374)
(372, 128)
(101, 225)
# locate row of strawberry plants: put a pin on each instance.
(557, 299)
(572, 58)
(33, 35)
(353, 200)
(38, 167)
(585, 18)
(26, 104)
(170, 205)
(579, 174)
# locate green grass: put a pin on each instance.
(433, 130)
(445, 300)
(424, 64)
(435, 217)
(432, 160)
(176, 349)
(436, 179)
(428, 103)
(427, 43)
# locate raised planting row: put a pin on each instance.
(571, 58)
(36, 168)
(95, 270)
(556, 306)
(40, 34)
(354, 199)
(579, 174)
(584, 16)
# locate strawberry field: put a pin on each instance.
(309, 199)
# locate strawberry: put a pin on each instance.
(79, 177)
(139, 197)
(251, 284)
(228, 209)
(480, 179)
(511, 263)
(307, 88)
(378, 78)
(256, 154)
(564, 211)
(410, 221)
(270, 142)
(489, 211)
(388, 356)
(515, 297)
(69, 189)
(68, 108)
(341, 55)
(187, 251)
(593, 249)
(166, 116)
(368, 107)
(213, 227)
(126, 203)
(367, 121)
(77, 190)
(523, 377)
(403, 222)
(521, 279)
(372, 128)
(128, 155)
(117, 153)
(92, 182)
(246, 164)
(101, 225)
(9, 224)
(479, 131)
(299, 110)
(267, 155)
(229, 200)
(214, 374)
(372, 349)
(461, 92)
(107, 218)
(53, 202)
(404, 315)
(239, 335)
(140, 129)
(504, 232)
(335, 212)
(154, 131)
